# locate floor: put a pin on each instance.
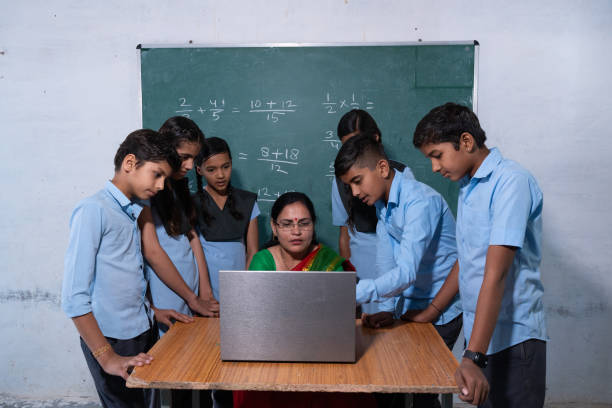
(7, 401)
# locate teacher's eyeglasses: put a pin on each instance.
(302, 225)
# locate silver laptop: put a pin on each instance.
(287, 316)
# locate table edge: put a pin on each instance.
(135, 382)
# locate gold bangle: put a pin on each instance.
(101, 350)
(434, 306)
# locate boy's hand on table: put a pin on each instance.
(473, 386)
(114, 364)
(427, 315)
(205, 307)
(377, 320)
(168, 316)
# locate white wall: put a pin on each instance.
(69, 95)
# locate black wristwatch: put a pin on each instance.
(478, 358)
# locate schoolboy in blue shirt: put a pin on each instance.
(499, 229)
(357, 221)
(104, 283)
(415, 243)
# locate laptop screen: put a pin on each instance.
(287, 316)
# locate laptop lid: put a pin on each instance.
(287, 316)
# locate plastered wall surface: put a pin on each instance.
(69, 94)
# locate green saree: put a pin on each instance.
(322, 258)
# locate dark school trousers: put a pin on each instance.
(111, 388)
(449, 333)
(517, 376)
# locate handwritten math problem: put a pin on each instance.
(278, 158)
(270, 194)
(272, 110)
(215, 109)
(335, 104)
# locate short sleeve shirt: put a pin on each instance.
(502, 205)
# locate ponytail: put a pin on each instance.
(174, 205)
(231, 203)
(206, 216)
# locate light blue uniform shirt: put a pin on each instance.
(224, 255)
(416, 248)
(502, 205)
(362, 244)
(103, 268)
(363, 247)
(180, 253)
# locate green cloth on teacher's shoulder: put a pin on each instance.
(322, 258)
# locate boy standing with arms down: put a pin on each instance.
(499, 228)
(104, 284)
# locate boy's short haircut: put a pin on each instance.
(362, 150)
(147, 145)
(446, 123)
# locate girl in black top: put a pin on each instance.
(227, 216)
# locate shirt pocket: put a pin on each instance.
(475, 228)
(394, 230)
(123, 239)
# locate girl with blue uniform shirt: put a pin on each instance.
(227, 216)
(357, 221)
(174, 217)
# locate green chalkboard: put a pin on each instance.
(278, 107)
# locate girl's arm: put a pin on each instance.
(165, 269)
(165, 316)
(111, 362)
(344, 243)
(445, 295)
(206, 292)
(252, 241)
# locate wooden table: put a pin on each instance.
(404, 358)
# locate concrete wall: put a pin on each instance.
(69, 95)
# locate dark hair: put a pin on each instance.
(174, 204)
(283, 201)
(213, 146)
(446, 123)
(147, 146)
(361, 150)
(180, 129)
(357, 120)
